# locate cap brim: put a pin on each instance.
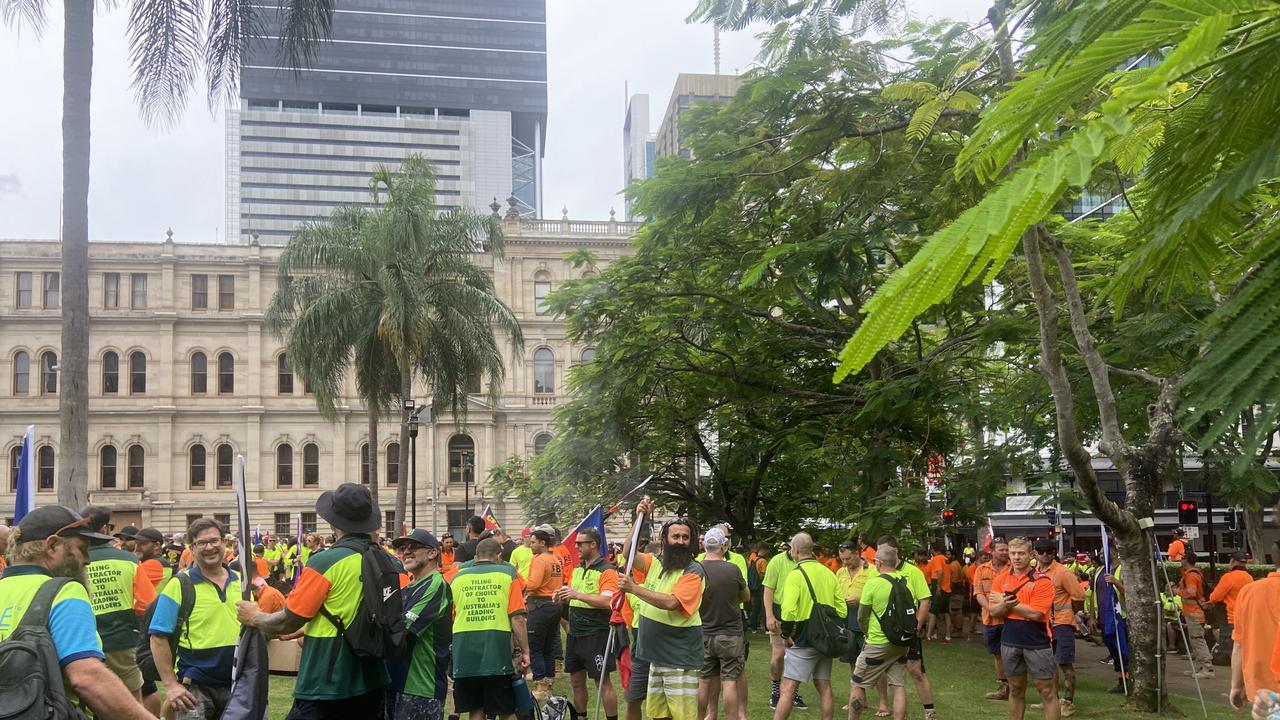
(90, 535)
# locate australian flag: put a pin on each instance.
(594, 519)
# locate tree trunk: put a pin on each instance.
(373, 456)
(402, 474)
(73, 370)
(1253, 527)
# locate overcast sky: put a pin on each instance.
(145, 180)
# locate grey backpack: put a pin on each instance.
(30, 676)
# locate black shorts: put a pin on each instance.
(588, 653)
(915, 652)
(491, 693)
(941, 604)
(369, 705)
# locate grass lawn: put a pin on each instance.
(960, 674)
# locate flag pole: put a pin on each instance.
(608, 643)
(613, 508)
(1116, 610)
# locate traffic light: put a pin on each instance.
(948, 515)
(1188, 512)
(1051, 514)
(1231, 538)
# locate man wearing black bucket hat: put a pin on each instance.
(52, 542)
(333, 682)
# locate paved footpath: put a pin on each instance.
(1089, 660)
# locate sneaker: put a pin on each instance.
(1036, 706)
(773, 702)
(1000, 693)
(1068, 708)
(799, 703)
(1204, 675)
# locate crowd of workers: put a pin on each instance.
(491, 615)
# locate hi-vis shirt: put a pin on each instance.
(485, 597)
(120, 593)
(70, 617)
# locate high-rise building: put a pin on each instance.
(639, 144)
(691, 89)
(464, 84)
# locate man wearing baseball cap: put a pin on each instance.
(419, 676)
(53, 542)
(333, 682)
(121, 594)
(126, 537)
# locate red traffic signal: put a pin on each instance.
(948, 515)
(1188, 512)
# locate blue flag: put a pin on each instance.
(26, 480)
(594, 519)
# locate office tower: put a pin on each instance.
(690, 89)
(638, 144)
(464, 84)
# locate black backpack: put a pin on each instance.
(30, 676)
(377, 630)
(142, 652)
(826, 631)
(898, 623)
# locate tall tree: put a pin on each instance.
(395, 294)
(1178, 96)
(170, 44)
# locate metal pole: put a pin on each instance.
(413, 475)
(1211, 542)
(435, 491)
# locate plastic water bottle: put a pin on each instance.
(1275, 707)
(195, 713)
(524, 698)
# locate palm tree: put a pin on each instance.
(393, 293)
(170, 44)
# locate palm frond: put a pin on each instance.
(17, 13)
(232, 26)
(165, 39)
(303, 25)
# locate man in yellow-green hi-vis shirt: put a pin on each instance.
(207, 640)
(809, 585)
(488, 620)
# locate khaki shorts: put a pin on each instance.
(876, 660)
(124, 664)
(723, 656)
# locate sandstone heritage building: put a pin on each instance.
(184, 376)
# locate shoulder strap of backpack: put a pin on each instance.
(812, 594)
(187, 591)
(37, 613)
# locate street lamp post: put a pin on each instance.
(464, 467)
(414, 415)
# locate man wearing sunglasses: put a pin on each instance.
(419, 676)
(1066, 594)
(592, 587)
(53, 542)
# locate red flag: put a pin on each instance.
(490, 520)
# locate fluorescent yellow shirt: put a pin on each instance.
(851, 583)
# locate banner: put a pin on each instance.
(297, 553)
(26, 480)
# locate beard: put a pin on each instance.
(676, 557)
(71, 567)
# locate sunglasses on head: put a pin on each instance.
(82, 522)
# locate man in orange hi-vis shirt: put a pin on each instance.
(939, 577)
(1066, 593)
(1228, 589)
(1023, 596)
(1255, 658)
(992, 626)
(1191, 590)
(546, 576)
(1178, 546)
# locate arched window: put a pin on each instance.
(310, 465)
(543, 371)
(284, 466)
(364, 463)
(226, 461)
(49, 373)
(541, 289)
(284, 376)
(44, 475)
(137, 468)
(110, 373)
(226, 374)
(462, 459)
(393, 463)
(107, 468)
(196, 457)
(199, 374)
(540, 442)
(15, 456)
(21, 373)
(137, 373)
(588, 355)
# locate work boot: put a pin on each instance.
(798, 703)
(1068, 708)
(1000, 693)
